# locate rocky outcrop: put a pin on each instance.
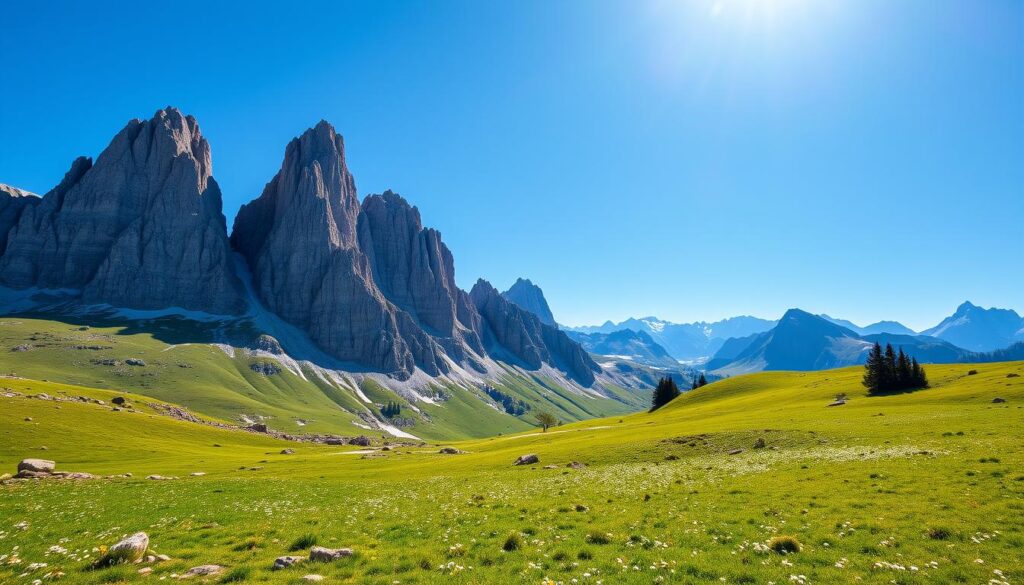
(510, 332)
(141, 228)
(416, 272)
(529, 296)
(13, 202)
(299, 240)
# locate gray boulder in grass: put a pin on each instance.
(128, 550)
(37, 465)
(527, 459)
(326, 555)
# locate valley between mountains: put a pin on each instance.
(311, 397)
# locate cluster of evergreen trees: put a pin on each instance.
(391, 409)
(664, 393)
(698, 382)
(891, 372)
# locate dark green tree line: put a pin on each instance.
(664, 393)
(889, 371)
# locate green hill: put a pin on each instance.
(924, 487)
(189, 363)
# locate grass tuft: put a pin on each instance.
(784, 544)
(303, 542)
(514, 542)
(237, 574)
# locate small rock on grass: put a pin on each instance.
(528, 459)
(128, 550)
(202, 571)
(285, 561)
(323, 554)
(735, 451)
(312, 577)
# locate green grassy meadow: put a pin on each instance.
(184, 365)
(923, 487)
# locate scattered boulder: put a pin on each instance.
(198, 473)
(451, 451)
(837, 403)
(287, 451)
(258, 428)
(134, 362)
(552, 466)
(760, 443)
(23, 347)
(361, 440)
(118, 400)
(128, 550)
(28, 419)
(155, 477)
(323, 554)
(285, 562)
(998, 400)
(671, 457)
(75, 475)
(312, 577)
(529, 459)
(334, 441)
(37, 465)
(735, 451)
(202, 571)
(145, 570)
(575, 465)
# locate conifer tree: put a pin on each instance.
(873, 369)
(904, 376)
(702, 381)
(664, 393)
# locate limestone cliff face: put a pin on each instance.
(299, 240)
(416, 272)
(143, 228)
(507, 328)
(529, 296)
(13, 202)
(140, 228)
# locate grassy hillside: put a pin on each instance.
(179, 361)
(922, 487)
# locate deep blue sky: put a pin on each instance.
(690, 160)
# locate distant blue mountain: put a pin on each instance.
(880, 327)
(805, 342)
(635, 346)
(978, 329)
(686, 341)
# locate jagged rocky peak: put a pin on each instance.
(13, 202)
(530, 297)
(313, 192)
(141, 228)
(415, 270)
(300, 240)
(510, 332)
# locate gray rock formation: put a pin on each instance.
(140, 228)
(416, 272)
(514, 334)
(12, 202)
(529, 296)
(299, 240)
